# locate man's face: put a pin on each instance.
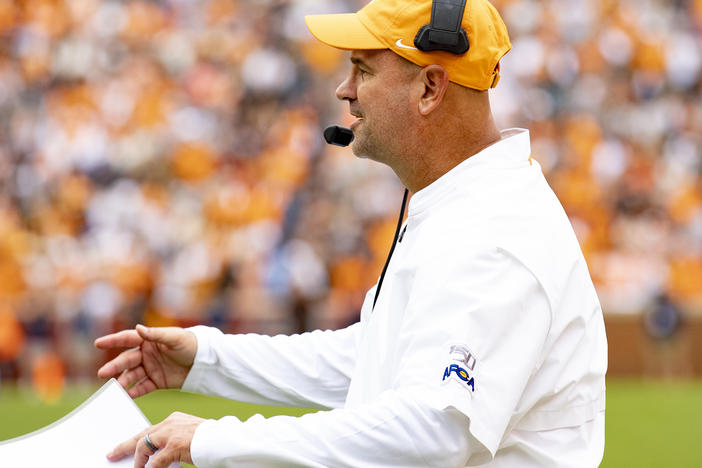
(378, 94)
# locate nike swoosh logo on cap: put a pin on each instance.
(403, 46)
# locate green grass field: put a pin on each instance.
(649, 423)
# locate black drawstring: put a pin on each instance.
(392, 249)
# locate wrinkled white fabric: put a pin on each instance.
(486, 346)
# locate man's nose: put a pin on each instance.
(346, 91)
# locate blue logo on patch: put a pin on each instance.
(461, 373)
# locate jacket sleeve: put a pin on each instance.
(395, 430)
(311, 370)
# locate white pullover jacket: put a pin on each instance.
(486, 346)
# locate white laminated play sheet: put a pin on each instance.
(82, 438)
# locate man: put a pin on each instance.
(485, 345)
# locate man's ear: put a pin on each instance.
(436, 81)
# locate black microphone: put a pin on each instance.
(338, 135)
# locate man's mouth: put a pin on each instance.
(356, 122)
(359, 118)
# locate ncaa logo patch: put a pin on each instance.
(462, 368)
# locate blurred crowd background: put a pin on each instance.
(161, 162)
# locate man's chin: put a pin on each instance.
(358, 150)
(361, 147)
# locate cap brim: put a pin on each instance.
(343, 31)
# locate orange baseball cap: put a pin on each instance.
(393, 24)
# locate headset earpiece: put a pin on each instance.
(445, 31)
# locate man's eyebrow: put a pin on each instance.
(358, 62)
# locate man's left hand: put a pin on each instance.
(171, 437)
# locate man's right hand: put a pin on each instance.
(157, 358)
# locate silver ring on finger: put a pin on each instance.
(150, 444)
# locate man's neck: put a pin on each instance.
(434, 160)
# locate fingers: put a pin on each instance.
(159, 459)
(163, 459)
(131, 376)
(137, 446)
(143, 452)
(172, 437)
(126, 448)
(142, 388)
(169, 336)
(125, 361)
(123, 339)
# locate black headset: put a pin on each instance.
(445, 31)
